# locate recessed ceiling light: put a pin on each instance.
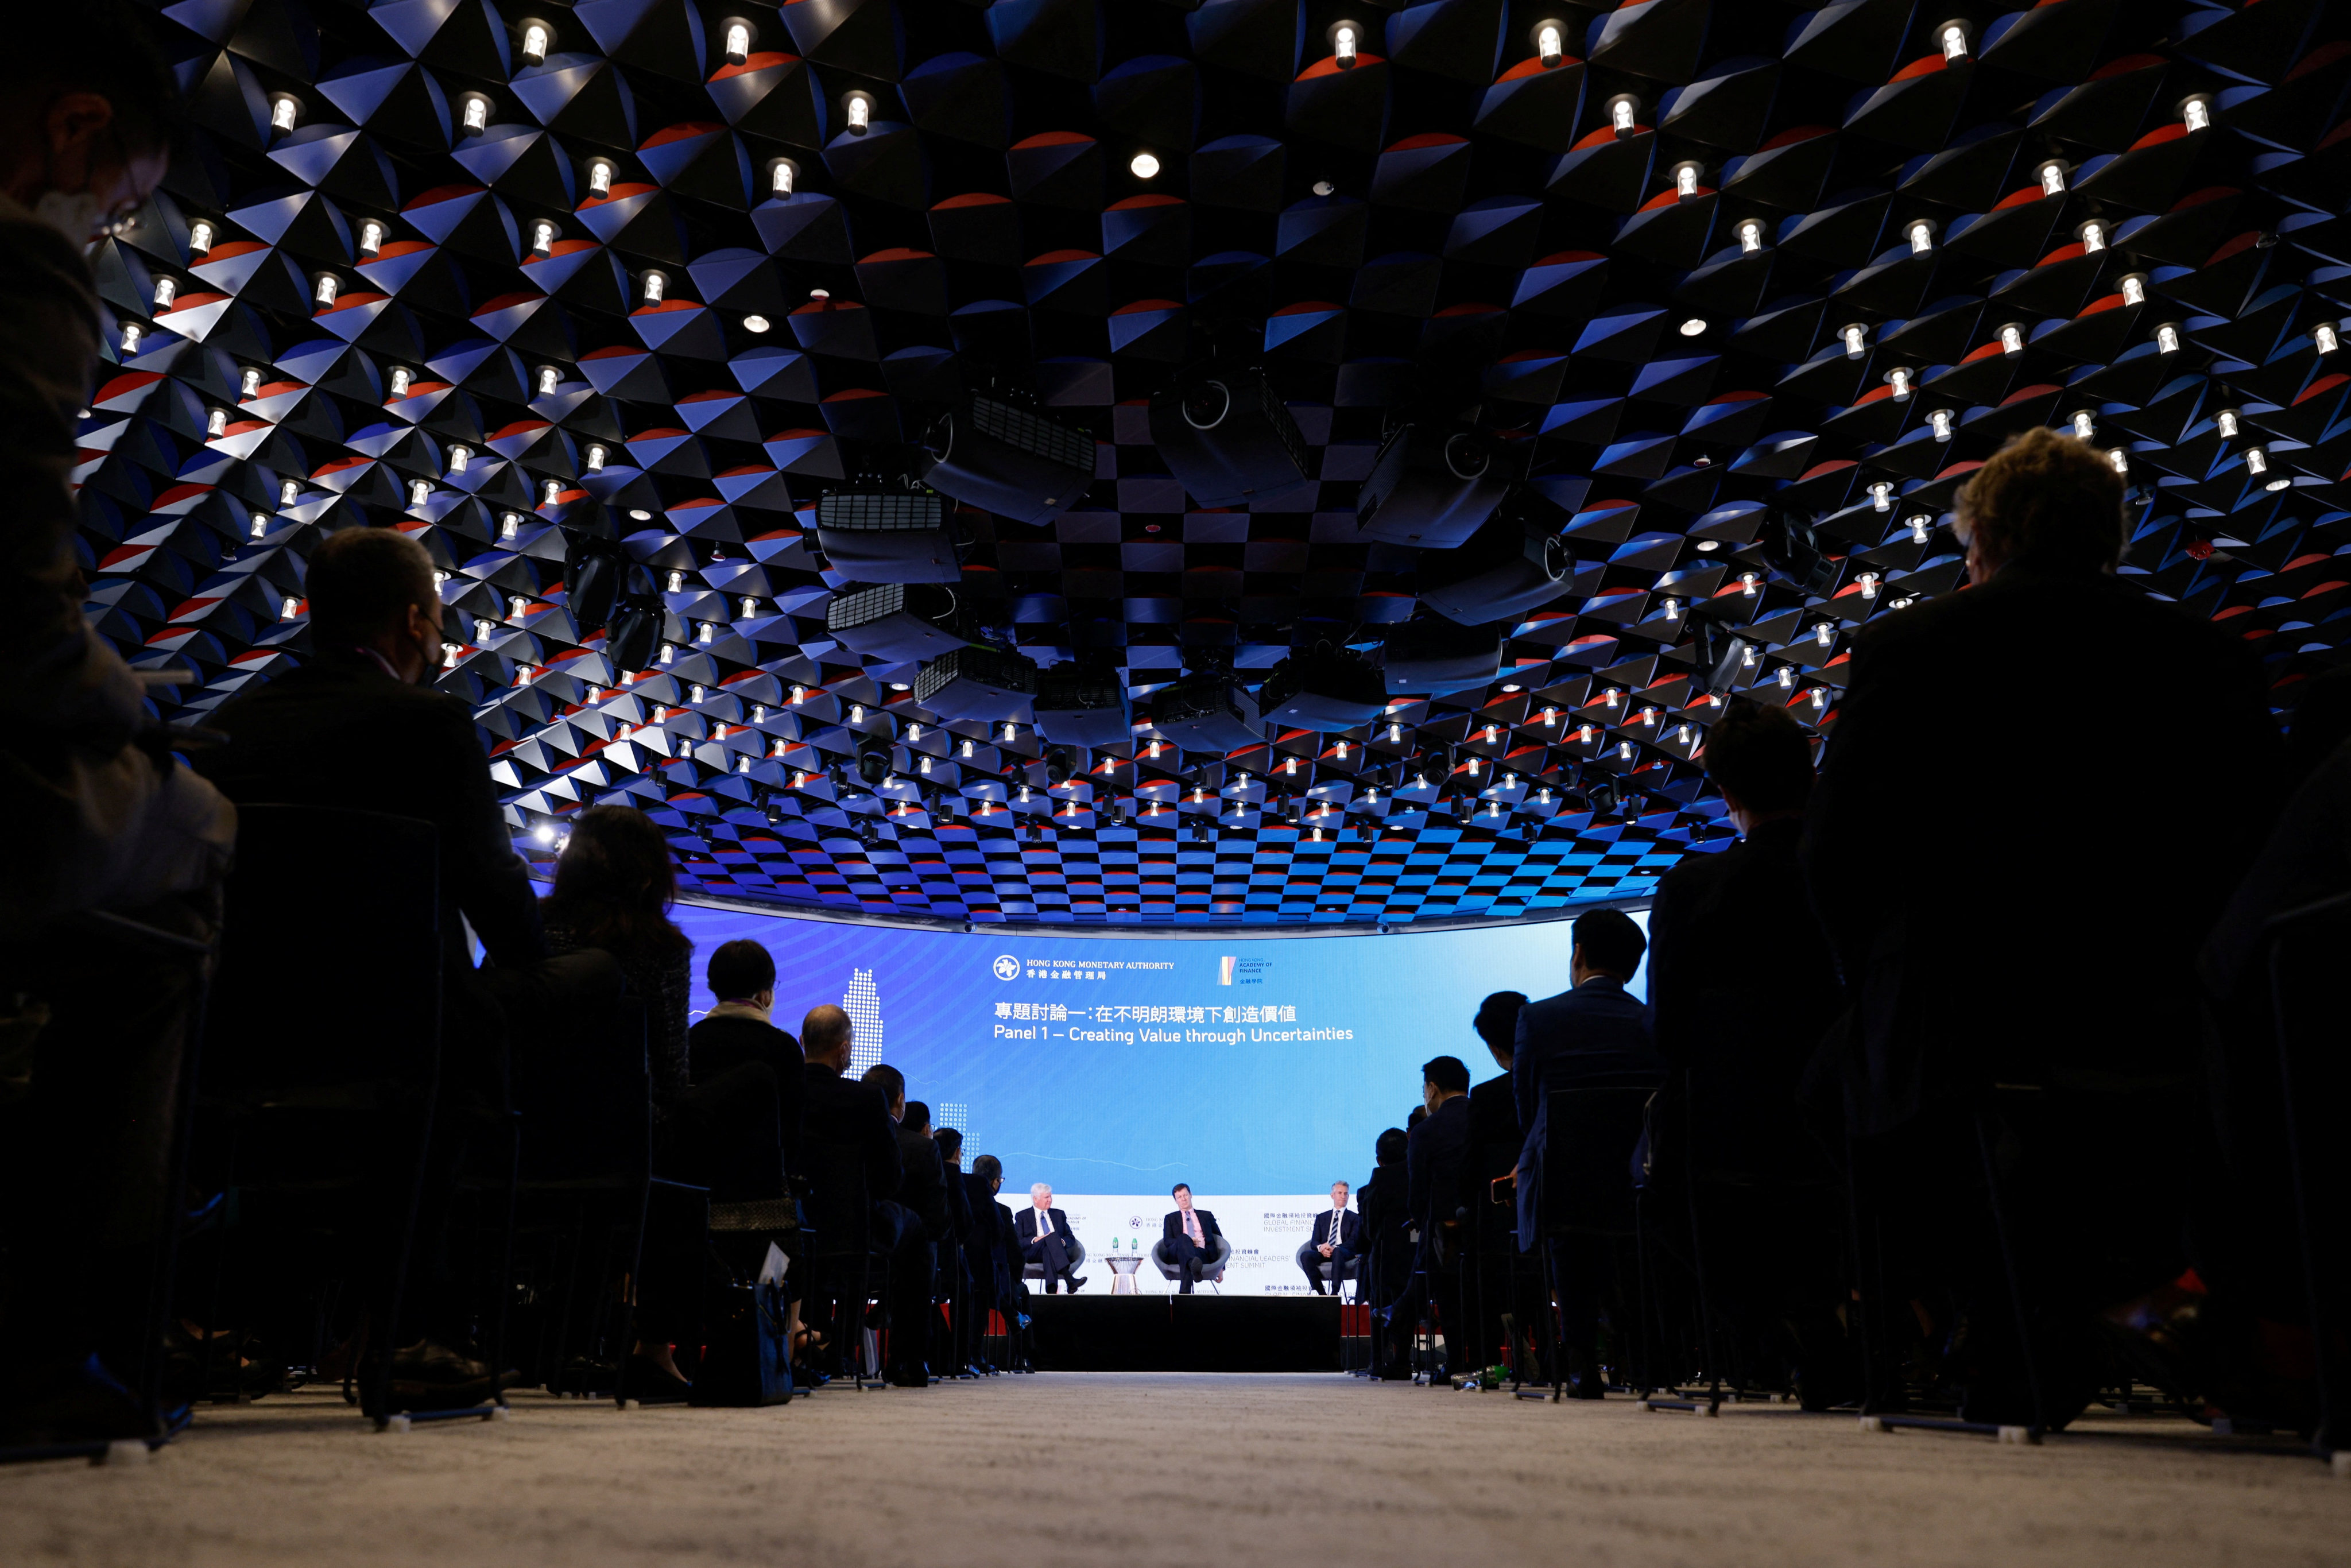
(1324, 188)
(639, 515)
(1710, 544)
(897, 685)
(755, 323)
(2279, 485)
(1510, 686)
(1144, 166)
(1693, 327)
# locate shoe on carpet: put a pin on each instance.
(912, 1375)
(651, 1383)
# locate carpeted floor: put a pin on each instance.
(1139, 1469)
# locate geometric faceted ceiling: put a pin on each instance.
(775, 387)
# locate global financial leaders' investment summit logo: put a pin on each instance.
(1008, 967)
(1225, 969)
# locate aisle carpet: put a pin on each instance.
(1140, 1468)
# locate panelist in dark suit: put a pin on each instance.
(1337, 1229)
(1190, 1236)
(1045, 1237)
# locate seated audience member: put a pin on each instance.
(735, 1045)
(961, 1345)
(304, 738)
(994, 1218)
(1337, 1229)
(922, 1194)
(1046, 1239)
(96, 814)
(1387, 1233)
(1592, 1035)
(2056, 949)
(1740, 1019)
(1500, 1292)
(1189, 1235)
(855, 1117)
(614, 883)
(1437, 1157)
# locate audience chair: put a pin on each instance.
(310, 1091)
(840, 1250)
(2306, 949)
(1212, 1272)
(136, 942)
(1589, 1137)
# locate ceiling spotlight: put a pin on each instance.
(860, 110)
(1325, 188)
(1954, 41)
(1624, 113)
(1709, 546)
(639, 515)
(534, 43)
(2196, 113)
(1693, 326)
(1144, 166)
(1549, 44)
(1750, 235)
(1343, 38)
(755, 323)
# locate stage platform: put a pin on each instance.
(1186, 1333)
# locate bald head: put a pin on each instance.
(825, 1037)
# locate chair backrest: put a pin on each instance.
(1589, 1137)
(330, 960)
(588, 1115)
(840, 1211)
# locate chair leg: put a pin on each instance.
(1881, 1394)
(624, 1347)
(1711, 1368)
(2019, 1303)
(506, 1275)
(376, 1399)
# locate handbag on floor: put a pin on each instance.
(748, 1359)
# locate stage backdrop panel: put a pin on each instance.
(1124, 1065)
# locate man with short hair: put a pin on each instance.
(1740, 1020)
(1594, 1034)
(922, 1198)
(1960, 975)
(1336, 1230)
(1046, 1239)
(1437, 1156)
(746, 1071)
(1189, 1235)
(855, 1117)
(95, 812)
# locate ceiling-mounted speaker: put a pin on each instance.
(978, 683)
(1324, 690)
(907, 621)
(1080, 706)
(1227, 436)
(990, 453)
(1205, 713)
(887, 536)
(1430, 657)
(1507, 567)
(1432, 486)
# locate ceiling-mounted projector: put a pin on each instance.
(1080, 706)
(905, 620)
(1514, 564)
(977, 681)
(1324, 689)
(1431, 656)
(1227, 435)
(1009, 459)
(1205, 713)
(877, 535)
(1432, 484)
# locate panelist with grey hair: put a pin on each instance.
(1046, 1239)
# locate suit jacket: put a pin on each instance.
(1172, 1227)
(1742, 986)
(958, 1201)
(1031, 1239)
(924, 1187)
(1351, 1225)
(1595, 1031)
(1961, 970)
(341, 732)
(1434, 1157)
(838, 1110)
(724, 1042)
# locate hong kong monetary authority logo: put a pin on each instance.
(1008, 967)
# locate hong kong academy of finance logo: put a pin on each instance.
(1008, 967)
